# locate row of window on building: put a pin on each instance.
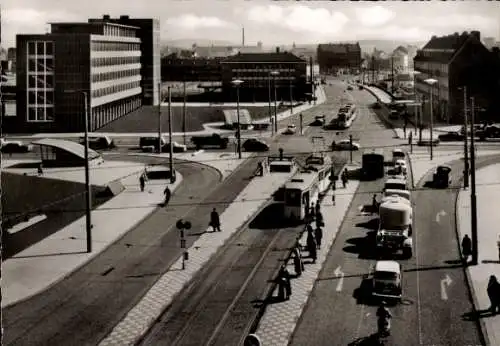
(114, 46)
(40, 48)
(40, 113)
(44, 97)
(255, 76)
(102, 115)
(115, 89)
(260, 70)
(44, 81)
(432, 66)
(112, 30)
(102, 77)
(97, 62)
(40, 65)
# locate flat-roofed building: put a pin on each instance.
(339, 57)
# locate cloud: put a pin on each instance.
(373, 16)
(31, 17)
(299, 18)
(193, 22)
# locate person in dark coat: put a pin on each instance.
(284, 284)
(494, 294)
(319, 220)
(344, 178)
(312, 210)
(167, 194)
(297, 262)
(142, 182)
(318, 208)
(40, 169)
(374, 204)
(318, 234)
(466, 247)
(312, 246)
(215, 220)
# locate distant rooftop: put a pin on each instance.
(265, 57)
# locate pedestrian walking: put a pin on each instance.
(312, 210)
(318, 208)
(466, 248)
(167, 194)
(215, 220)
(319, 220)
(493, 291)
(374, 204)
(297, 263)
(40, 169)
(498, 245)
(344, 178)
(333, 198)
(318, 234)
(285, 287)
(142, 182)
(312, 246)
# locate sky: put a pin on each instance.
(276, 22)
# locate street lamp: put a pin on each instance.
(237, 83)
(415, 97)
(88, 206)
(274, 74)
(431, 82)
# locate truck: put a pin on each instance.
(373, 165)
(214, 140)
(395, 228)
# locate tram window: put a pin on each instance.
(280, 168)
(293, 198)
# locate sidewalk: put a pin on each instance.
(280, 319)
(50, 260)
(488, 233)
(138, 320)
(488, 190)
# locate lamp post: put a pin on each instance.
(415, 97)
(274, 74)
(269, 99)
(466, 134)
(431, 82)
(473, 200)
(237, 83)
(88, 205)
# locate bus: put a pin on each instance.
(300, 192)
(372, 165)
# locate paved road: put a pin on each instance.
(83, 308)
(424, 317)
(220, 306)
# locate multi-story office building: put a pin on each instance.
(100, 59)
(255, 70)
(341, 57)
(455, 61)
(149, 34)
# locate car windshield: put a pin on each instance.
(383, 275)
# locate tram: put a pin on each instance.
(307, 186)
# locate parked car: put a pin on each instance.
(400, 165)
(176, 147)
(319, 120)
(149, 144)
(214, 140)
(11, 147)
(255, 144)
(345, 144)
(99, 142)
(428, 142)
(349, 88)
(290, 129)
(387, 280)
(451, 136)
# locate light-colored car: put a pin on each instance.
(290, 129)
(345, 144)
(400, 166)
(387, 280)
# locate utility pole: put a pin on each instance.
(171, 147)
(88, 195)
(350, 147)
(159, 115)
(466, 149)
(291, 98)
(373, 69)
(473, 201)
(432, 125)
(275, 108)
(392, 74)
(270, 111)
(184, 115)
(420, 116)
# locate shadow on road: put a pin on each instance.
(371, 224)
(363, 246)
(271, 218)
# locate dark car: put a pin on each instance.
(442, 176)
(427, 142)
(16, 147)
(451, 136)
(349, 88)
(99, 143)
(254, 144)
(319, 120)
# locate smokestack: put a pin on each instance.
(243, 37)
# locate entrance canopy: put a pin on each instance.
(74, 149)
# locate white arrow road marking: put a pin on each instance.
(339, 274)
(446, 282)
(439, 215)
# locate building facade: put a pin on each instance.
(149, 34)
(100, 60)
(455, 61)
(333, 58)
(255, 72)
(400, 62)
(175, 68)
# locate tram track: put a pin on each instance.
(205, 313)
